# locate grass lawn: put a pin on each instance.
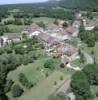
(43, 89)
(45, 20)
(17, 28)
(36, 73)
(90, 49)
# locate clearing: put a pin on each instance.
(45, 20)
(44, 89)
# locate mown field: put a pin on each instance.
(45, 20)
(35, 72)
(19, 28)
(43, 89)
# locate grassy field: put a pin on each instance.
(45, 88)
(45, 20)
(17, 28)
(36, 73)
(32, 71)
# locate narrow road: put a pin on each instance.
(88, 58)
(64, 86)
(73, 67)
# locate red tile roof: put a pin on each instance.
(45, 37)
(64, 32)
(52, 26)
(33, 27)
(70, 29)
(70, 51)
(48, 39)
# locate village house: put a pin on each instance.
(50, 28)
(48, 40)
(34, 27)
(3, 40)
(71, 96)
(66, 33)
(12, 38)
(88, 24)
(58, 51)
(78, 15)
(76, 24)
(36, 33)
(33, 30)
(71, 53)
(72, 31)
(58, 36)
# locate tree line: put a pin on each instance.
(82, 80)
(12, 56)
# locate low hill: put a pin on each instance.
(80, 4)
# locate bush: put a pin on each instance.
(61, 78)
(49, 64)
(47, 74)
(17, 91)
(62, 65)
(91, 71)
(80, 85)
(8, 49)
(1, 51)
(55, 83)
(19, 49)
(8, 85)
(29, 85)
(27, 59)
(24, 81)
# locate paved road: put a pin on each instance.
(89, 59)
(73, 67)
(64, 86)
